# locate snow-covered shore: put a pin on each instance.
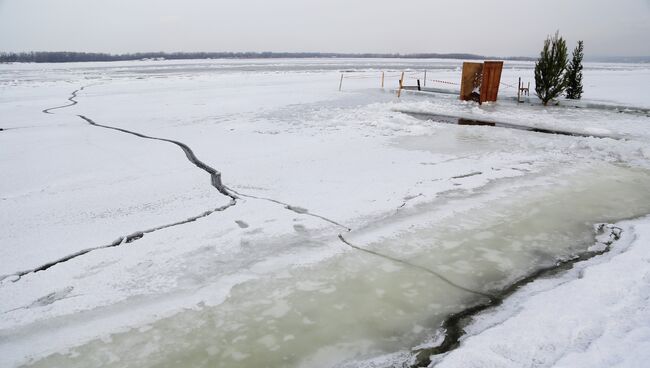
(595, 315)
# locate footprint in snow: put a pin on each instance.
(242, 224)
(51, 298)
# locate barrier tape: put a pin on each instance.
(444, 82)
(407, 75)
(398, 76)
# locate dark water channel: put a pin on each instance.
(448, 119)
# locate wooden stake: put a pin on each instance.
(419, 88)
(382, 79)
(341, 83)
(401, 85)
(425, 78)
(519, 90)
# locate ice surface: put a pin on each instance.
(267, 281)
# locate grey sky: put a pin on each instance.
(489, 27)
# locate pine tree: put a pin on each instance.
(574, 73)
(550, 69)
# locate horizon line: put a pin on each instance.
(180, 55)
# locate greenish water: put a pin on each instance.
(357, 305)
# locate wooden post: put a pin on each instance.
(419, 88)
(425, 78)
(528, 90)
(382, 79)
(519, 90)
(341, 83)
(401, 85)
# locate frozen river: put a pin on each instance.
(342, 232)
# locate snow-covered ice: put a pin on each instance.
(440, 214)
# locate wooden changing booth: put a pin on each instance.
(480, 81)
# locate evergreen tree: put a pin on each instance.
(550, 69)
(574, 73)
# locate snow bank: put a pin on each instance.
(595, 315)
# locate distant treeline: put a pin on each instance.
(65, 57)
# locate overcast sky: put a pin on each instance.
(488, 27)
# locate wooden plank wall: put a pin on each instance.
(471, 79)
(491, 80)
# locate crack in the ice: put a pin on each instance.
(407, 199)
(127, 239)
(457, 120)
(48, 299)
(296, 209)
(416, 266)
(453, 324)
(71, 99)
(215, 176)
(467, 175)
